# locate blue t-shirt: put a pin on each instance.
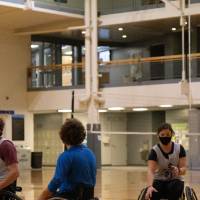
(74, 166)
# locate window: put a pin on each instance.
(17, 127)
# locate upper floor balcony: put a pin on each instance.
(104, 6)
(115, 73)
(64, 6)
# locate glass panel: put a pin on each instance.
(72, 6)
(37, 53)
(112, 6)
(66, 59)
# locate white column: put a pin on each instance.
(87, 47)
(93, 115)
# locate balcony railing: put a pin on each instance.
(113, 6)
(72, 6)
(149, 70)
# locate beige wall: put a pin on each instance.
(15, 58)
(132, 96)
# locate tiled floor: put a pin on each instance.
(113, 183)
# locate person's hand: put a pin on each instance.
(149, 192)
(174, 170)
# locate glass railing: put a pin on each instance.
(72, 6)
(14, 1)
(195, 1)
(127, 72)
(56, 76)
(113, 6)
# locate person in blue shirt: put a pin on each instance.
(76, 165)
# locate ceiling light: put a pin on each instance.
(140, 109)
(120, 29)
(65, 47)
(83, 32)
(124, 36)
(34, 46)
(64, 110)
(68, 53)
(166, 106)
(102, 110)
(173, 29)
(186, 23)
(115, 108)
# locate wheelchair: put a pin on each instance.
(81, 192)
(8, 195)
(188, 194)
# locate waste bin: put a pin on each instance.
(36, 160)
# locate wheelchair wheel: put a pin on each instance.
(6, 195)
(57, 198)
(190, 194)
(142, 194)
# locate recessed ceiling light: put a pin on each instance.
(64, 110)
(116, 108)
(124, 36)
(34, 46)
(120, 29)
(102, 110)
(83, 32)
(166, 106)
(173, 29)
(140, 109)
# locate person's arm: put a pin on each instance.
(13, 173)
(182, 161)
(182, 166)
(46, 194)
(180, 169)
(62, 167)
(152, 166)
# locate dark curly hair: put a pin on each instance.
(165, 126)
(72, 132)
(2, 124)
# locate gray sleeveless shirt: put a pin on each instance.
(163, 172)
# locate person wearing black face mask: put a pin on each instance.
(166, 165)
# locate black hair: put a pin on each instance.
(165, 126)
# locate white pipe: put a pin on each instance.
(183, 52)
(87, 52)
(93, 114)
(182, 23)
(189, 58)
(95, 78)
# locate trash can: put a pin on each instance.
(36, 160)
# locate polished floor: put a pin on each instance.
(113, 183)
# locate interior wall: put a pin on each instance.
(46, 136)
(15, 58)
(138, 122)
(114, 149)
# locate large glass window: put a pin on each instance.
(67, 58)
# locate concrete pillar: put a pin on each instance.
(194, 139)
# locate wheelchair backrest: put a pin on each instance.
(84, 192)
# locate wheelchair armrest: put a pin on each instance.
(18, 189)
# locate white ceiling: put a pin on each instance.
(16, 18)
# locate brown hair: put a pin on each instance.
(2, 124)
(72, 132)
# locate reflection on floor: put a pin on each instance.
(113, 183)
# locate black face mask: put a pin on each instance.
(165, 140)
